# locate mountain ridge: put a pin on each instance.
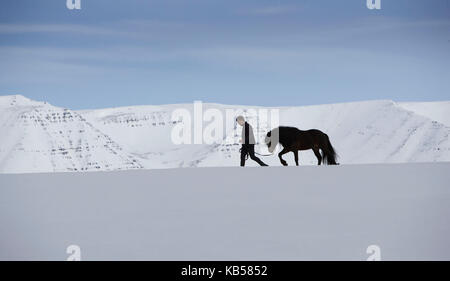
(39, 137)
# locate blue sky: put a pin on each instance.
(254, 52)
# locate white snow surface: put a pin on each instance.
(229, 213)
(39, 137)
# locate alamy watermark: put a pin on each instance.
(373, 4)
(73, 4)
(218, 126)
(374, 252)
(74, 252)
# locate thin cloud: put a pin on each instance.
(55, 28)
(271, 10)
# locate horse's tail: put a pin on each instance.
(329, 155)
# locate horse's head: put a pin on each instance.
(271, 140)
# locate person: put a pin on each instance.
(248, 142)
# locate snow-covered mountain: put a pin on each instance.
(38, 137)
(437, 111)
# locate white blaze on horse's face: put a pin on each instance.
(271, 140)
(268, 141)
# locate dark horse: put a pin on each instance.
(293, 139)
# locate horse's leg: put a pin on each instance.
(296, 156)
(319, 157)
(284, 151)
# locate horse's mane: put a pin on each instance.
(287, 135)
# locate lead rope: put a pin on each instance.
(264, 154)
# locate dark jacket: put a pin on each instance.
(247, 134)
